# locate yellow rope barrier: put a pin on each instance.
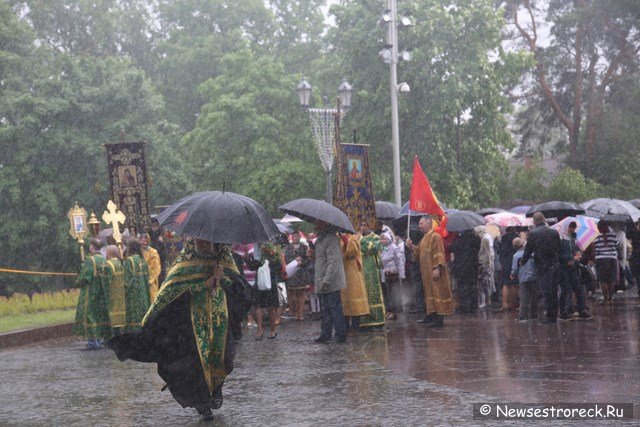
(39, 273)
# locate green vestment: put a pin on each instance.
(137, 299)
(209, 312)
(92, 314)
(371, 247)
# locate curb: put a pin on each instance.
(30, 336)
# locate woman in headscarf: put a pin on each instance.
(392, 274)
(486, 284)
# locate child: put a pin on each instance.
(526, 275)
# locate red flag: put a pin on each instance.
(423, 199)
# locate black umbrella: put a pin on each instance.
(489, 211)
(635, 202)
(312, 209)
(458, 221)
(613, 210)
(220, 217)
(386, 211)
(556, 209)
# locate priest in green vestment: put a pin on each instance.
(113, 279)
(371, 247)
(92, 314)
(136, 278)
(190, 328)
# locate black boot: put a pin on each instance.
(438, 321)
(430, 318)
(205, 414)
(216, 402)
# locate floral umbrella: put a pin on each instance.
(508, 219)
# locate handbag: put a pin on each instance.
(263, 279)
(391, 276)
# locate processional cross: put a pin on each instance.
(114, 217)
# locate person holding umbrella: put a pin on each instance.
(191, 327)
(329, 280)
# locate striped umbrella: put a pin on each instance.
(586, 229)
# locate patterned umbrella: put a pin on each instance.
(586, 229)
(508, 219)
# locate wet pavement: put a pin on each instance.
(406, 375)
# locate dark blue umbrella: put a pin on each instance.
(311, 210)
(489, 211)
(219, 217)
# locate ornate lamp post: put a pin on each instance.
(324, 123)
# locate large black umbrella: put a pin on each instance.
(635, 202)
(220, 217)
(312, 209)
(386, 211)
(613, 210)
(489, 211)
(458, 221)
(556, 209)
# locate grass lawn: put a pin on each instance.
(18, 322)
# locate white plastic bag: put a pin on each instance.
(263, 280)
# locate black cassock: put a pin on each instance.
(168, 340)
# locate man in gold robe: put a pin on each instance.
(114, 284)
(152, 258)
(354, 297)
(435, 276)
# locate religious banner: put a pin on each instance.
(128, 183)
(353, 194)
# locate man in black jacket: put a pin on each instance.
(544, 245)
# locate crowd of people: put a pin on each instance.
(353, 283)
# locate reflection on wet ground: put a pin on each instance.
(408, 375)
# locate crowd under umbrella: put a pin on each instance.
(219, 217)
(312, 209)
(489, 211)
(459, 221)
(386, 211)
(611, 210)
(556, 209)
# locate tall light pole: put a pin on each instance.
(325, 125)
(390, 55)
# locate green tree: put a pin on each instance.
(251, 136)
(454, 117)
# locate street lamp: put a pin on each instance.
(390, 56)
(325, 125)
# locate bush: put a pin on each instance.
(21, 304)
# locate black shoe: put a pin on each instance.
(205, 414)
(547, 321)
(426, 320)
(321, 340)
(564, 318)
(341, 340)
(216, 402)
(585, 315)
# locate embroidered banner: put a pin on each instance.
(353, 194)
(128, 183)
